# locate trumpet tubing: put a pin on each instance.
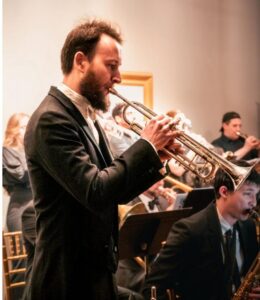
(245, 136)
(242, 135)
(210, 161)
(178, 184)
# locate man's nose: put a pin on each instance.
(254, 201)
(117, 77)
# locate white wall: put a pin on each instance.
(204, 54)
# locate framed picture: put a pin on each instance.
(135, 86)
(139, 85)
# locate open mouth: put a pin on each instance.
(107, 90)
(247, 211)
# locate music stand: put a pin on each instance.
(143, 234)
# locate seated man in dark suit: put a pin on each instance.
(195, 261)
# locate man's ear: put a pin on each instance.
(80, 61)
(224, 125)
(223, 191)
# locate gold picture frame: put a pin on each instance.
(142, 79)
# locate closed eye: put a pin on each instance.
(113, 67)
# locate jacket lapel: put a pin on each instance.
(71, 108)
(215, 234)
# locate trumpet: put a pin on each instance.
(242, 135)
(210, 161)
(245, 136)
(178, 184)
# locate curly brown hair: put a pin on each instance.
(85, 38)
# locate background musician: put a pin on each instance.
(130, 272)
(16, 183)
(119, 134)
(156, 198)
(196, 261)
(243, 147)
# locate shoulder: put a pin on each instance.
(10, 156)
(217, 141)
(8, 151)
(200, 221)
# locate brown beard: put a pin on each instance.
(89, 88)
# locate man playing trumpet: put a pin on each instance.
(231, 139)
(75, 181)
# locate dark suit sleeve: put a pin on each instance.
(65, 154)
(170, 262)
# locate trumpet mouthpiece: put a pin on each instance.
(113, 91)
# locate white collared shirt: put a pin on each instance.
(82, 105)
(225, 226)
(145, 201)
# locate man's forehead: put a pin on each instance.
(234, 121)
(251, 186)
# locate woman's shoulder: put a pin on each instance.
(11, 155)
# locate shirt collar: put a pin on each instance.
(225, 226)
(145, 201)
(78, 100)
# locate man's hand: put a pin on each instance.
(252, 142)
(161, 133)
(254, 293)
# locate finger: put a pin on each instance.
(176, 148)
(159, 117)
(171, 134)
(172, 125)
(159, 122)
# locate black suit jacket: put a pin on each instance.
(191, 262)
(76, 188)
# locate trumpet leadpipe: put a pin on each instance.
(242, 135)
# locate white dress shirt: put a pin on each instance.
(225, 226)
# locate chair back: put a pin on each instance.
(14, 262)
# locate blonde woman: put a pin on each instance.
(15, 173)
